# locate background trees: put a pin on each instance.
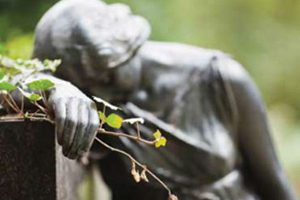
(264, 35)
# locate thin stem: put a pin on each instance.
(44, 98)
(138, 131)
(41, 108)
(11, 105)
(101, 131)
(2, 102)
(32, 117)
(13, 102)
(138, 163)
(104, 109)
(22, 104)
(39, 119)
(17, 118)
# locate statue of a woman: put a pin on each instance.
(219, 145)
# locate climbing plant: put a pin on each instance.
(16, 77)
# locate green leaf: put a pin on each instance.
(105, 103)
(34, 97)
(34, 85)
(45, 84)
(114, 120)
(30, 96)
(6, 86)
(51, 65)
(42, 84)
(102, 116)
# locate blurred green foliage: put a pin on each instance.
(264, 35)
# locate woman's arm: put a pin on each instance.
(76, 116)
(254, 137)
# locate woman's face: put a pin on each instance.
(113, 34)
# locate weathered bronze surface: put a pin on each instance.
(204, 102)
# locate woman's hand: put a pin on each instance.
(76, 119)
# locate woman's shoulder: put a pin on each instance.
(177, 55)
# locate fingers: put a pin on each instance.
(70, 124)
(77, 122)
(91, 131)
(60, 117)
(81, 129)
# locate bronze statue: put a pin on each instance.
(219, 146)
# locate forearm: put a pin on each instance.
(254, 139)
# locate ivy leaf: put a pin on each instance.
(160, 141)
(45, 84)
(30, 96)
(34, 85)
(157, 134)
(6, 86)
(34, 97)
(105, 103)
(114, 120)
(51, 65)
(102, 116)
(134, 120)
(42, 84)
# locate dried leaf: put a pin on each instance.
(135, 173)
(105, 103)
(134, 120)
(144, 176)
(173, 197)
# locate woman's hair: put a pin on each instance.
(91, 33)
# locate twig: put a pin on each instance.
(138, 163)
(13, 102)
(11, 105)
(138, 131)
(39, 119)
(44, 98)
(101, 131)
(22, 104)
(41, 108)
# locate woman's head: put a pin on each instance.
(90, 32)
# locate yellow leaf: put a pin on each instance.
(161, 142)
(157, 134)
